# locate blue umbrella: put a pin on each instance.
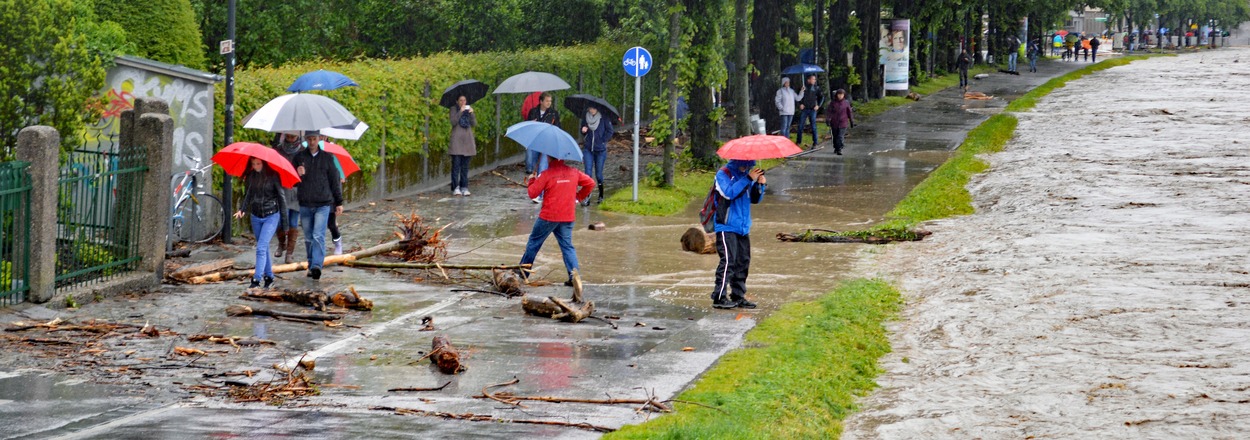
(320, 80)
(545, 138)
(802, 68)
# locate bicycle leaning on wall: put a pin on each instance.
(197, 216)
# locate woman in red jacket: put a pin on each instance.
(562, 187)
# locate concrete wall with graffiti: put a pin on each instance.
(189, 93)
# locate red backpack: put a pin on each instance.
(707, 215)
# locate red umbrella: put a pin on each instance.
(1062, 33)
(760, 146)
(234, 159)
(345, 158)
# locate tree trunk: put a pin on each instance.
(705, 42)
(674, 47)
(742, 100)
(869, 13)
(978, 29)
(188, 272)
(699, 242)
(764, 33)
(445, 356)
(839, 19)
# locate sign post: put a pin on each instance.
(637, 62)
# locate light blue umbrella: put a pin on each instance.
(802, 68)
(320, 80)
(545, 138)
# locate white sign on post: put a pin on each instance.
(227, 46)
(637, 62)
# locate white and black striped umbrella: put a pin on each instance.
(299, 112)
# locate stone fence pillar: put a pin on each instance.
(155, 133)
(41, 146)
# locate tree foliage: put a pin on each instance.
(162, 30)
(48, 72)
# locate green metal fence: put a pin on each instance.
(14, 231)
(98, 207)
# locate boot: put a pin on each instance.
(279, 238)
(291, 235)
(600, 193)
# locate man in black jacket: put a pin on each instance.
(536, 162)
(319, 193)
(810, 100)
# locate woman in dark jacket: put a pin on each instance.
(840, 118)
(263, 200)
(463, 146)
(596, 132)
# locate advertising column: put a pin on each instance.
(895, 51)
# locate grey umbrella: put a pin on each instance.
(299, 112)
(529, 82)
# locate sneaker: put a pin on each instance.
(600, 201)
(457, 192)
(465, 191)
(838, 151)
(268, 282)
(314, 273)
(724, 304)
(538, 199)
(745, 304)
(587, 202)
(338, 246)
(255, 284)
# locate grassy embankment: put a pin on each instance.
(803, 366)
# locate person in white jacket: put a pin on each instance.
(785, 105)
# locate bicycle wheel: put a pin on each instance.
(198, 218)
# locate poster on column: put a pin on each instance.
(895, 50)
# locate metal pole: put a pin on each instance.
(227, 187)
(637, 122)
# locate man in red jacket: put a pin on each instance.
(563, 187)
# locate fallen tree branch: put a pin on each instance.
(490, 396)
(392, 390)
(330, 260)
(388, 265)
(482, 291)
(242, 310)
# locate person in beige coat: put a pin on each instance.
(463, 146)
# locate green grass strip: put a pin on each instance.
(655, 201)
(797, 377)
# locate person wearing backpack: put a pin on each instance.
(738, 186)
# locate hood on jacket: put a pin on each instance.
(735, 164)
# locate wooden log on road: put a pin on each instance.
(389, 265)
(555, 308)
(195, 270)
(445, 356)
(242, 310)
(329, 261)
(507, 282)
(699, 242)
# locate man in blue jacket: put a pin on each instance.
(738, 186)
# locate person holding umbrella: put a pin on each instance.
(535, 162)
(263, 199)
(332, 223)
(463, 145)
(597, 131)
(320, 193)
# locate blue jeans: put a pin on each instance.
(292, 218)
(314, 221)
(564, 236)
(593, 163)
(808, 116)
(785, 124)
(1032, 64)
(1011, 61)
(264, 228)
(535, 162)
(460, 171)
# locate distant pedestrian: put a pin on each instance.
(738, 186)
(463, 145)
(1034, 51)
(785, 101)
(1013, 43)
(289, 145)
(1085, 45)
(320, 193)
(810, 100)
(1056, 44)
(597, 131)
(1093, 48)
(840, 117)
(963, 62)
(563, 187)
(263, 200)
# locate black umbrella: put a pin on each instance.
(580, 102)
(471, 89)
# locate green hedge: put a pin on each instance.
(390, 95)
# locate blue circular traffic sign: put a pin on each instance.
(637, 61)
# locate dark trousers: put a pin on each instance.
(460, 171)
(333, 224)
(839, 138)
(735, 260)
(1094, 52)
(963, 77)
(807, 116)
